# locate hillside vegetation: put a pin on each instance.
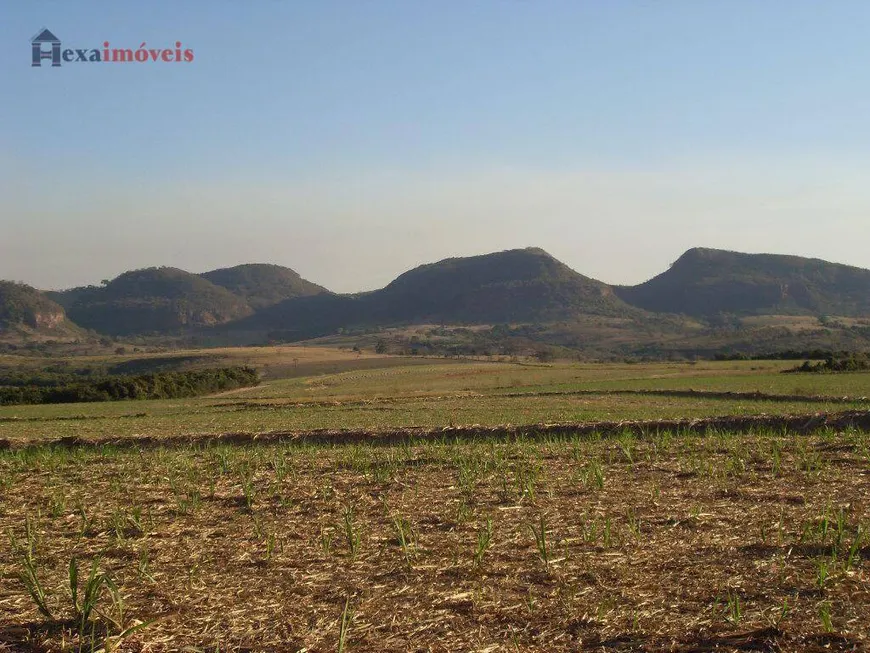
(521, 285)
(26, 311)
(705, 282)
(154, 300)
(262, 285)
(515, 286)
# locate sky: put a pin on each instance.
(354, 140)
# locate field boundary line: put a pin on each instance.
(799, 423)
(698, 394)
(272, 403)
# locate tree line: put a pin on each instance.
(855, 363)
(786, 355)
(18, 389)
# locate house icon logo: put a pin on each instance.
(45, 38)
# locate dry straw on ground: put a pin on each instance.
(670, 541)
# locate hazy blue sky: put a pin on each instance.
(353, 140)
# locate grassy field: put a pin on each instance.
(661, 542)
(416, 392)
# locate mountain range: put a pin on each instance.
(169, 300)
(514, 287)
